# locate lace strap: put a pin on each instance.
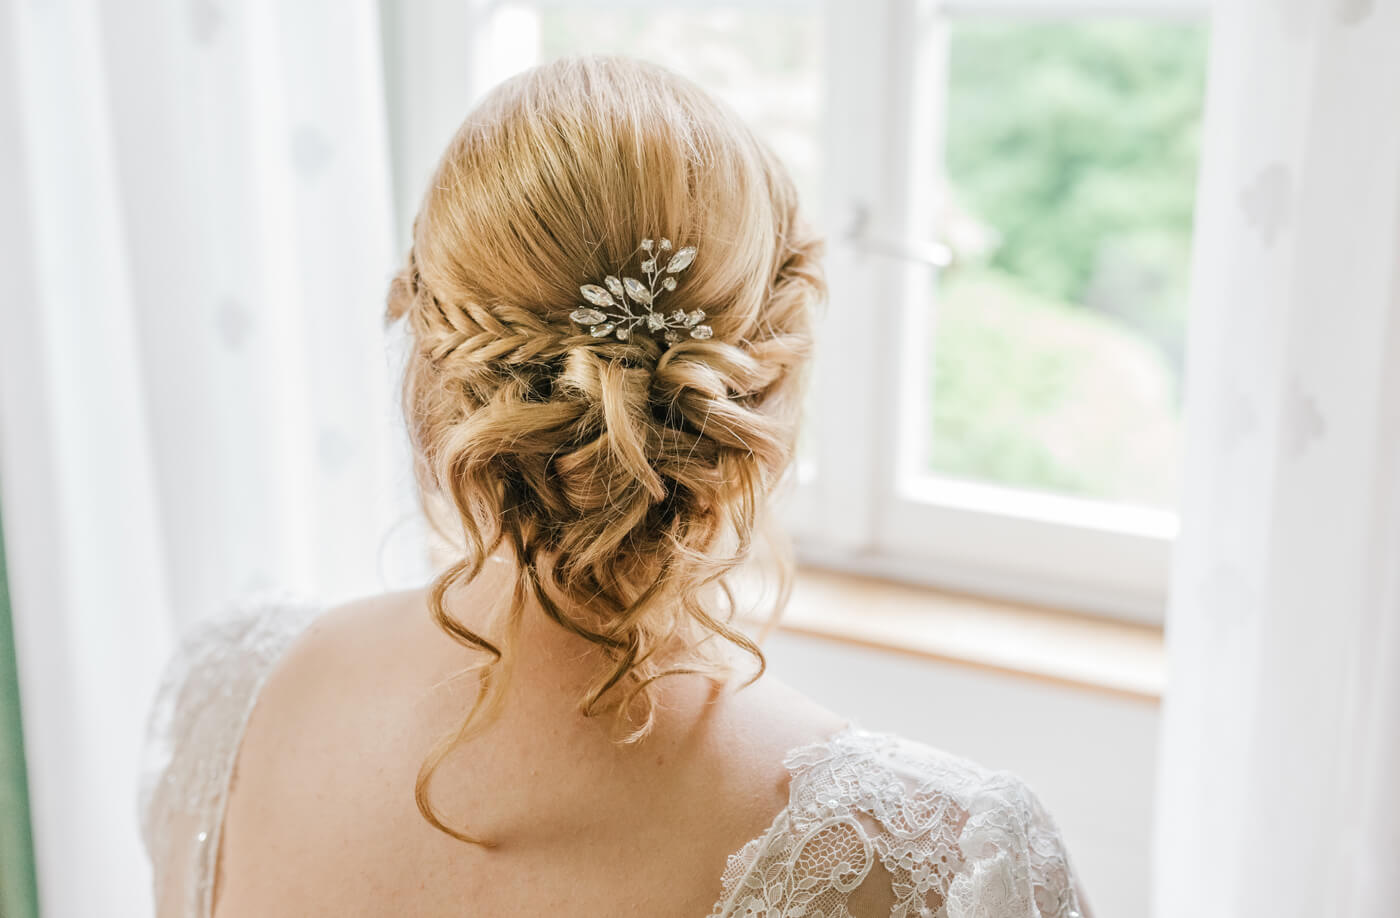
(904, 830)
(205, 697)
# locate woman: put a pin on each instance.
(609, 295)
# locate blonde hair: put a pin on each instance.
(629, 479)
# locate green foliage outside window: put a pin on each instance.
(1071, 152)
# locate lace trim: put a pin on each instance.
(950, 839)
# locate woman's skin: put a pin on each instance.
(322, 821)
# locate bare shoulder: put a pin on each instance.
(331, 725)
(322, 819)
(337, 680)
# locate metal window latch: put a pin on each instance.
(929, 252)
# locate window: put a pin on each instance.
(1059, 329)
(1009, 284)
(1040, 431)
(762, 59)
(1007, 187)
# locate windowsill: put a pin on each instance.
(1049, 645)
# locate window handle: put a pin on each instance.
(925, 252)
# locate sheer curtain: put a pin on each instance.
(196, 398)
(1280, 773)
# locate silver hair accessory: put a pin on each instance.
(613, 312)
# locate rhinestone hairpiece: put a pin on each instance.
(612, 311)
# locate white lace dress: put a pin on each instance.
(874, 825)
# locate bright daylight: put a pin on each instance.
(766, 459)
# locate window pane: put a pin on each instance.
(765, 64)
(1058, 332)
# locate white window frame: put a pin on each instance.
(860, 504)
(868, 508)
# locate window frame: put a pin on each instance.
(867, 509)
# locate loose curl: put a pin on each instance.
(628, 479)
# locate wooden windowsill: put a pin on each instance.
(1122, 659)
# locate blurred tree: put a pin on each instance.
(1031, 392)
(1076, 141)
(1071, 150)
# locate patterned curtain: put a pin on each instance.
(1279, 789)
(196, 394)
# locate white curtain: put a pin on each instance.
(1279, 787)
(196, 398)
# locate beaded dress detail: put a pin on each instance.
(202, 706)
(874, 825)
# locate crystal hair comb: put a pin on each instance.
(626, 304)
